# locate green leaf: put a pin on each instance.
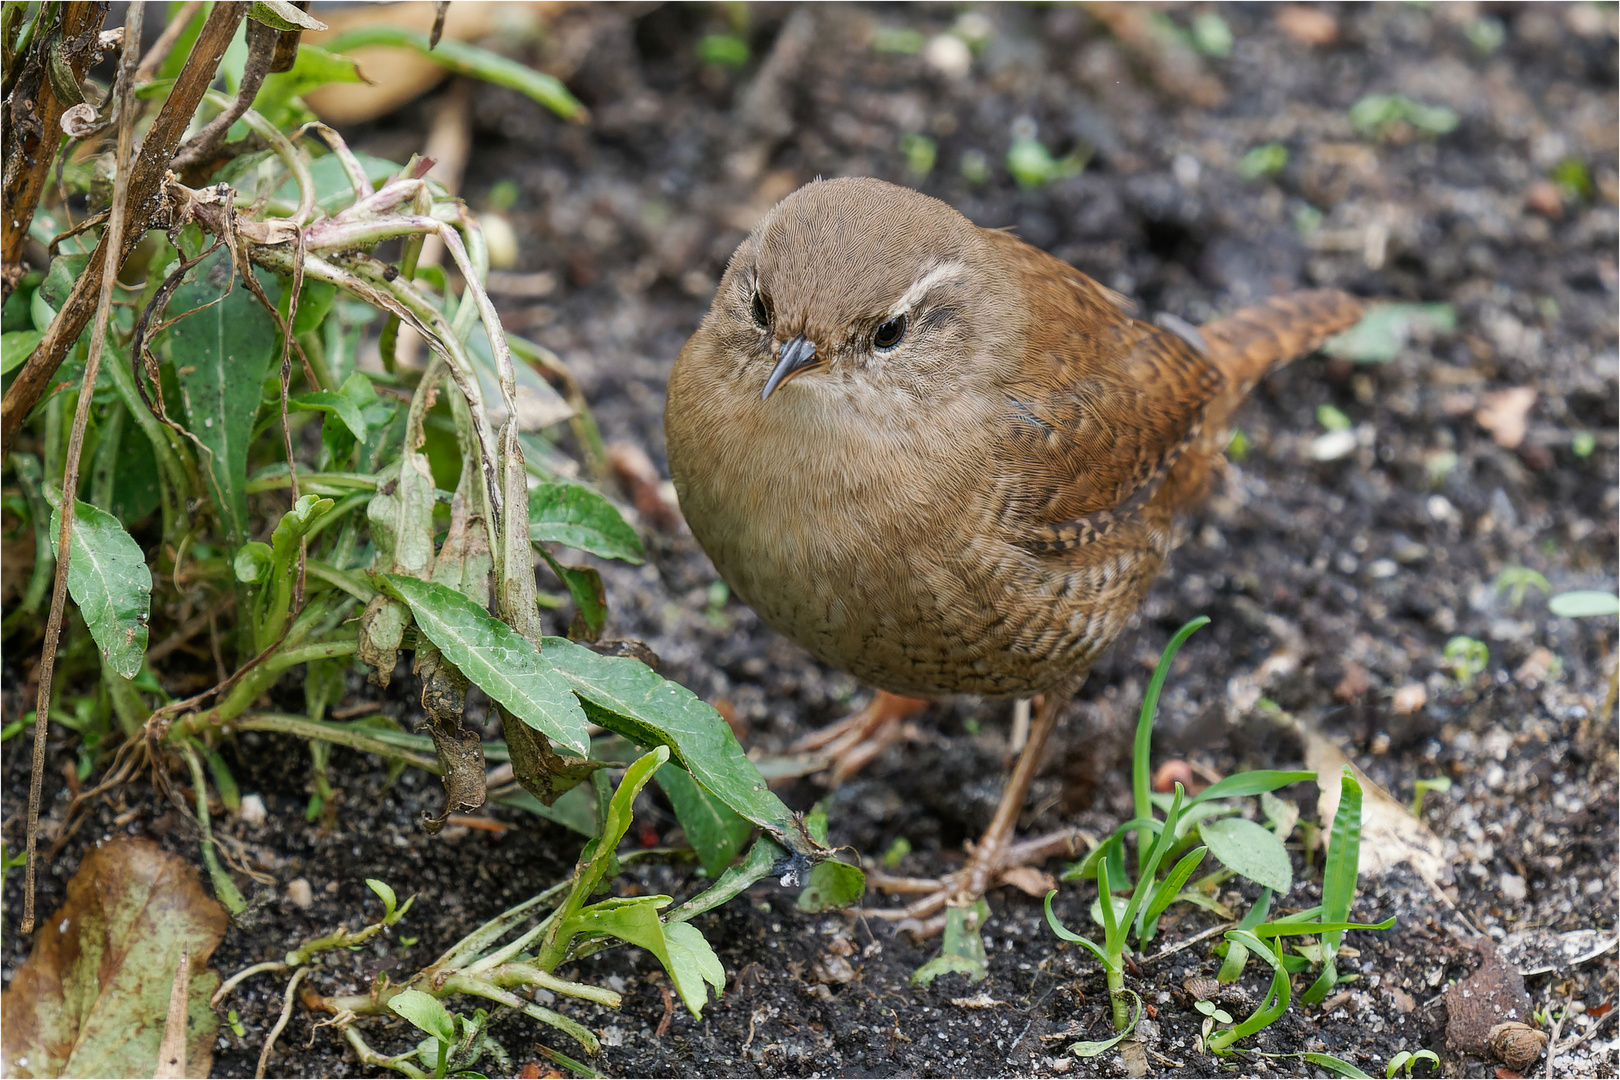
(1338, 880)
(497, 660)
(627, 697)
(426, 1012)
(64, 273)
(1292, 926)
(961, 948)
(1251, 783)
(315, 67)
(584, 584)
(1165, 893)
(385, 894)
(1250, 849)
(1068, 935)
(832, 884)
(577, 517)
(1337, 1066)
(221, 355)
(283, 16)
(716, 831)
(680, 947)
(340, 405)
(1585, 604)
(1142, 747)
(466, 59)
(692, 963)
(109, 581)
(1276, 1000)
(92, 998)
(16, 347)
(1092, 1049)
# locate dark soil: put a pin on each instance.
(1357, 570)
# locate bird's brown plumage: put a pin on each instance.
(981, 507)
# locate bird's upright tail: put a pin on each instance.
(1250, 342)
(1245, 345)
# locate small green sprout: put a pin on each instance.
(1379, 114)
(1332, 418)
(235, 1023)
(920, 152)
(1582, 443)
(1486, 33)
(1573, 178)
(897, 851)
(1211, 1010)
(1467, 656)
(1514, 580)
(1210, 35)
(1264, 160)
(723, 50)
(975, 167)
(1033, 165)
(1421, 788)
(898, 41)
(1407, 1060)
(1237, 446)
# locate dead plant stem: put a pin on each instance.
(113, 240)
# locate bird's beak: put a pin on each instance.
(794, 359)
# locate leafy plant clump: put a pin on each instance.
(197, 446)
(1196, 826)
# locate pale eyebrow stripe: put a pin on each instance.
(920, 287)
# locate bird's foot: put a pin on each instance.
(989, 864)
(861, 737)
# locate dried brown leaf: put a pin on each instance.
(93, 998)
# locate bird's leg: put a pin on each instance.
(856, 740)
(995, 856)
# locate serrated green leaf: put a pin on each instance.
(627, 697)
(426, 1012)
(221, 355)
(497, 660)
(716, 831)
(1250, 849)
(577, 517)
(335, 404)
(109, 581)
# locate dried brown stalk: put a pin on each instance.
(113, 237)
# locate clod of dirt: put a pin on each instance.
(1489, 998)
(1517, 1045)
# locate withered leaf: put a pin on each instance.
(93, 998)
(460, 750)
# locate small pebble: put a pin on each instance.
(300, 893)
(253, 813)
(1512, 886)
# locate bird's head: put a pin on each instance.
(849, 285)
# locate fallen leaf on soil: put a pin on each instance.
(1032, 882)
(1389, 833)
(1536, 952)
(1492, 995)
(93, 998)
(1505, 414)
(1308, 26)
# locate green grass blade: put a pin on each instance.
(1251, 783)
(1069, 935)
(1339, 879)
(1141, 753)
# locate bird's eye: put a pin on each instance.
(889, 334)
(761, 310)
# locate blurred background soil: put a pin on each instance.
(1343, 566)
